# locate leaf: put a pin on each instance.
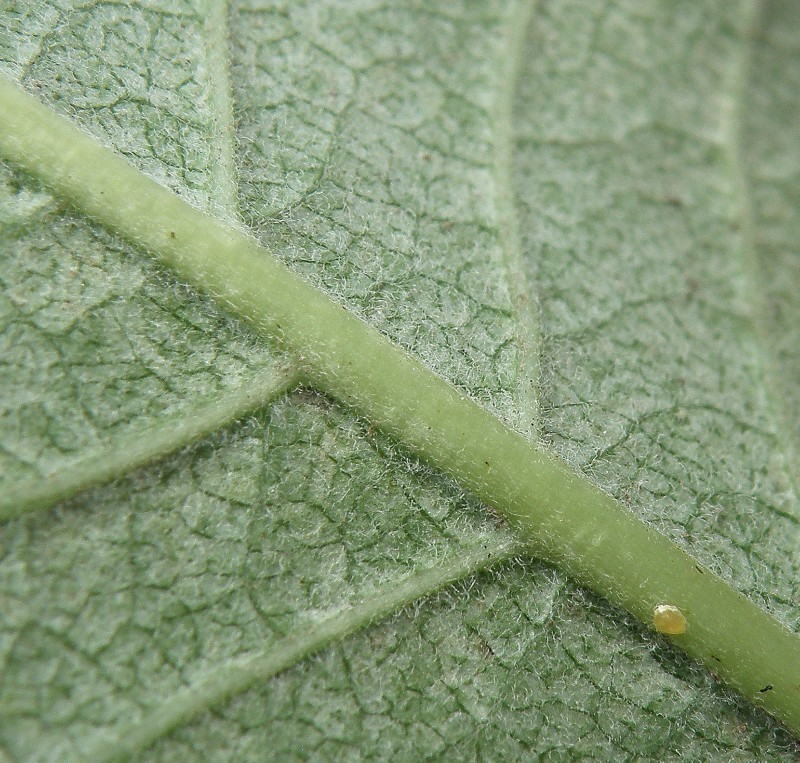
(372, 149)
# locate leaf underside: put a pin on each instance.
(622, 288)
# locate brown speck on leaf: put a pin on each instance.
(486, 647)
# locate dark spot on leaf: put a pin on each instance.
(768, 687)
(486, 647)
(699, 569)
(172, 234)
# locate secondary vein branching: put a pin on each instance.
(223, 168)
(732, 127)
(236, 676)
(559, 514)
(527, 334)
(138, 448)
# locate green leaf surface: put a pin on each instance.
(607, 194)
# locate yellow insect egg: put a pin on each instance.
(669, 620)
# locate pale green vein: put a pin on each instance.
(527, 330)
(236, 676)
(148, 444)
(223, 167)
(558, 512)
(732, 131)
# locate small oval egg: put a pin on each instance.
(669, 620)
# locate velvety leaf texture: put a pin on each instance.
(584, 215)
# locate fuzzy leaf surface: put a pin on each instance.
(588, 225)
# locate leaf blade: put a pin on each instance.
(651, 721)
